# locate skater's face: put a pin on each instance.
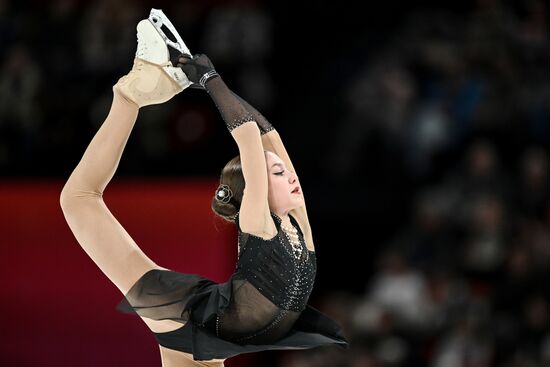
(284, 192)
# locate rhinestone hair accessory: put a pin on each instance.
(224, 193)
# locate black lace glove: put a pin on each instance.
(234, 110)
(198, 69)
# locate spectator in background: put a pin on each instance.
(534, 188)
(468, 343)
(479, 176)
(378, 103)
(401, 293)
(485, 236)
(428, 240)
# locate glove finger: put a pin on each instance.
(184, 60)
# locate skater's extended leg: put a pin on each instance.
(94, 226)
(152, 80)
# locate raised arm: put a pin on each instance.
(254, 213)
(271, 140)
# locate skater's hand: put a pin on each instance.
(198, 69)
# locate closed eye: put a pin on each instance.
(279, 173)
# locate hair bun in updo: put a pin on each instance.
(227, 198)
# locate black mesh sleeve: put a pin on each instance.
(264, 125)
(233, 112)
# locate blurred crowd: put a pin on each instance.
(60, 58)
(448, 111)
(459, 102)
(464, 282)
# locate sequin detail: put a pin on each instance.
(269, 327)
(265, 129)
(238, 122)
(293, 279)
(287, 284)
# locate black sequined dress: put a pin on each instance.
(262, 306)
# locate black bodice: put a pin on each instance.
(271, 287)
(280, 273)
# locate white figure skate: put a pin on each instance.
(158, 19)
(153, 79)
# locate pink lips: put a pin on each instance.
(296, 190)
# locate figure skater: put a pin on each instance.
(263, 305)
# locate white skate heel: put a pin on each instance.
(153, 45)
(158, 19)
(153, 79)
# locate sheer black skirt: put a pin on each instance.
(224, 319)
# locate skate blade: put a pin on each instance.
(153, 49)
(158, 19)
